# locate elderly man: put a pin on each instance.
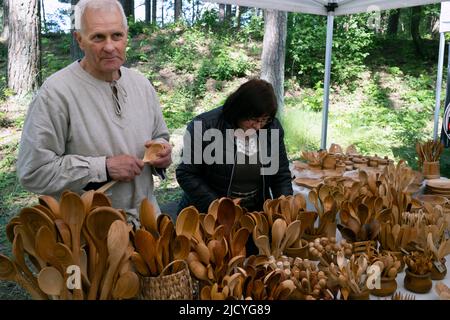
(91, 121)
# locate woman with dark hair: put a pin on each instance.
(236, 151)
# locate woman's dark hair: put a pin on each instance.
(253, 99)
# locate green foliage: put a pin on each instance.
(209, 21)
(306, 42)
(178, 108)
(254, 29)
(138, 27)
(55, 53)
(314, 100)
(301, 131)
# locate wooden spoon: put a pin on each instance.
(146, 246)
(64, 232)
(51, 204)
(117, 241)
(51, 282)
(32, 218)
(246, 222)
(181, 248)
(87, 198)
(263, 244)
(126, 287)
(19, 259)
(226, 215)
(45, 247)
(140, 264)
(29, 244)
(147, 215)
(100, 199)
(187, 222)
(292, 234)
(9, 272)
(98, 223)
(239, 241)
(209, 224)
(73, 213)
(213, 207)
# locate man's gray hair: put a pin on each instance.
(96, 4)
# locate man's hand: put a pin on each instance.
(164, 157)
(124, 167)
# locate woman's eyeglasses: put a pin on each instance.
(261, 120)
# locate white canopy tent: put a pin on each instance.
(330, 9)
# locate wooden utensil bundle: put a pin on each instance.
(349, 275)
(429, 151)
(158, 243)
(63, 240)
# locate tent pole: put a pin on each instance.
(439, 85)
(326, 82)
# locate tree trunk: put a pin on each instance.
(23, 46)
(221, 12)
(178, 8)
(394, 18)
(240, 10)
(435, 27)
(416, 13)
(162, 13)
(44, 22)
(148, 11)
(128, 7)
(154, 10)
(273, 53)
(5, 32)
(228, 12)
(75, 51)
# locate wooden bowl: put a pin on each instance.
(418, 283)
(301, 252)
(151, 153)
(387, 287)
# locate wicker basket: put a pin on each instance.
(175, 286)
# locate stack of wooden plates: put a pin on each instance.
(438, 186)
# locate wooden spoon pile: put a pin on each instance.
(77, 248)
(159, 242)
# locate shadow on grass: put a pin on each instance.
(400, 53)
